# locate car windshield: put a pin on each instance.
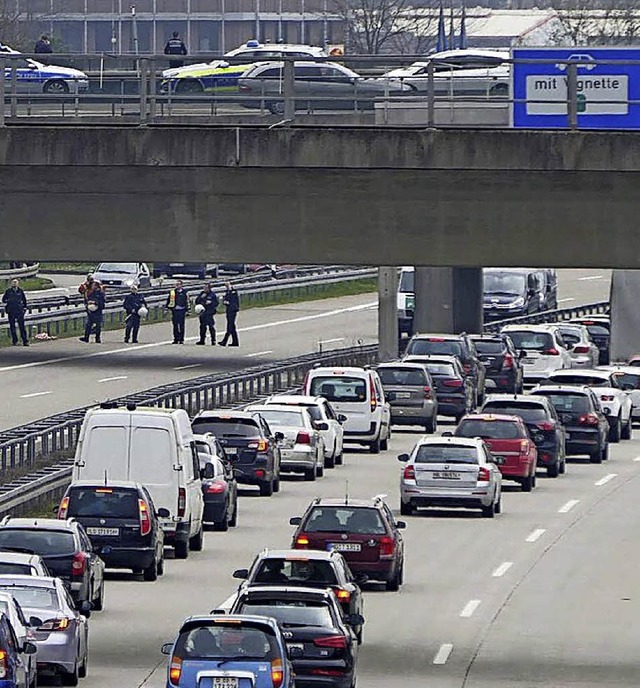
(33, 597)
(407, 282)
(338, 388)
(598, 330)
(227, 427)
(492, 429)
(118, 267)
(489, 346)
(446, 453)
(509, 283)
(290, 612)
(530, 413)
(444, 347)
(103, 502)
(343, 519)
(402, 376)
(279, 418)
(15, 569)
(569, 403)
(571, 336)
(227, 641)
(534, 341)
(43, 542)
(295, 571)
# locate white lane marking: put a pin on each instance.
(276, 323)
(469, 608)
(186, 367)
(605, 480)
(112, 379)
(502, 569)
(442, 655)
(569, 298)
(259, 353)
(568, 506)
(590, 277)
(331, 341)
(637, 458)
(34, 394)
(535, 534)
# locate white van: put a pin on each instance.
(356, 393)
(152, 446)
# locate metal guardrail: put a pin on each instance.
(557, 315)
(30, 270)
(25, 445)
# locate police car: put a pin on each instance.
(35, 77)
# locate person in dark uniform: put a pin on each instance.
(15, 301)
(209, 301)
(178, 304)
(231, 300)
(95, 306)
(175, 46)
(133, 302)
(43, 45)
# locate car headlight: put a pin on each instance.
(517, 303)
(129, 282)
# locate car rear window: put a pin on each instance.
(278, 417)
(227, 427)
(533, 341)
(402, 376)
(598, 330)
(580, 380)
(530, 413)
(441, 369)
(227, 640)
(569, 403)
(488, 347)
(290, 612)
(103, 502)
(493, 429)
(445, 347)
(36, 596)
(345, 520)
(406, 282)
(334, 388)
(628, 380)
(446, 453)
(42, 542)
(295, 571)
(17, 569)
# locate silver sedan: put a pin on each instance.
(451, 472)
(583, 350)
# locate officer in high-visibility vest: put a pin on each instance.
(178, 304)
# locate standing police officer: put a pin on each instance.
(15, 301)
(95, 305)
(178, 304)
(231, 300)
(133, 302)
(209, 301)
(175, 46)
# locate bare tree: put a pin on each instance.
(593, 22)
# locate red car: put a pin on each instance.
(507, 437)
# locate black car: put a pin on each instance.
(502, 362)
(311, 569)
(579, 411)
(249, 444)
(321, 644)
(512, 292)
(66, 550)
(121, 521)
(459, 345)
(599, 327)
(543, 424)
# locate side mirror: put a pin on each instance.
(163, 513)
(208, 471)
(448, 433)
(55, 509)
(607, 411)
(217, 612)
(322, 426)
(35, 621)
(166, 648)
(29, 648)
(295, 652)
(242, 574)
(342, 418)
(85, 608)
(403, 457)
(355, 620)
(522, 353)
(401, 525)
(279, 436)
(295, 521)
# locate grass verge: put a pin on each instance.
(70, 268)
(29, 284)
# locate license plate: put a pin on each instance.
(568, 435)
(346, 546)
(528, 361)
(403, 395)
(103, 531)
(296, 646)
(446, 475)
(231, 450)
(225, 682)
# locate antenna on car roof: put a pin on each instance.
(346, 492)
(105, 478)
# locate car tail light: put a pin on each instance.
(409, 473)
(372, 392)
(580, 349)
(507, 361)
(387, 545)
(79, 564)
(4, 665)
(259, 473)
(342, 595)
(435, 339)
(60, 624)
(545, 425)
(216, 487)
(427, 392)
(259, 445)
(551, 352)
(318, 671)
(336, 641)
(607, 397)
(483, 474)
(175, 670)
(302, 541)
(145, 521)
(588, 419)
(452, 383)
(277, 673)
(64, 507)
(306, 379)
(303, 437)
(182, 501)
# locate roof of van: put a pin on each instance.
(339, 370)
(153, 410)
(103, 484)
(225, 413)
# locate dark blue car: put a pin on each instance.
(13, 670)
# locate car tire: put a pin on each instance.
(498, 505)
(596, 457)
(70, 678)
(615, 431)
(339, 459)
(266, 489)
(55, 87)
(98, 602)
(222, 526)
(320, 471)
(406, 509)
(605, 452)
(374, 447)
(233, 521)
(431, 426)
(310, 475)
(276, 484)
(359, 636)
(188, 86)
(161, 566)
(627, 430)
(528, 483)
(393, 585)
(197, 541)
(83, 670)
(181, 550)
(150, 574)
(330, 461)
(489, 511)
(563, 466)
(554, 470)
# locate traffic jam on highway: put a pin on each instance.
(147, 481)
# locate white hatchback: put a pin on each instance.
(545, 350)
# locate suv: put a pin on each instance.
(363, 530)
(249, 444)
(406, 301)
(66, 550)
(545, 349)
(312, 569)
(460, 345)
(511, 293)
(543, 424)
(599, 327)
(503, 367)
(121, 521)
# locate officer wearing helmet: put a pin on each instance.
(206, 306)
(135, 306)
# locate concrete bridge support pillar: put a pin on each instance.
(625, 314)
(387, 313)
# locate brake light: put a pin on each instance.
(545, 425)
(524, 446)
(507, 361)
(588, 419)
(452, 383)
(409, 473)
(306, 379)
(338, 642)
(4, 665)
(552, 352)
(342, 595)
(483, 474)
(216, 487)
(387, 546)
(427, 392)
(302, 541)
(372, 392)
(259, 473)
(79, 564)
(303, 437)
(60, 624)
(607, 397)
(580, 349)
(259, 445)
(64, 507)
(277, 673)
(145, 521)
(182, 501)
(435, 339)
(175, 670)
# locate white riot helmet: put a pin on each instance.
(143, 311)
(93, 307)
(199, 308)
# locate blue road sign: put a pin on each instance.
(604, 90)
